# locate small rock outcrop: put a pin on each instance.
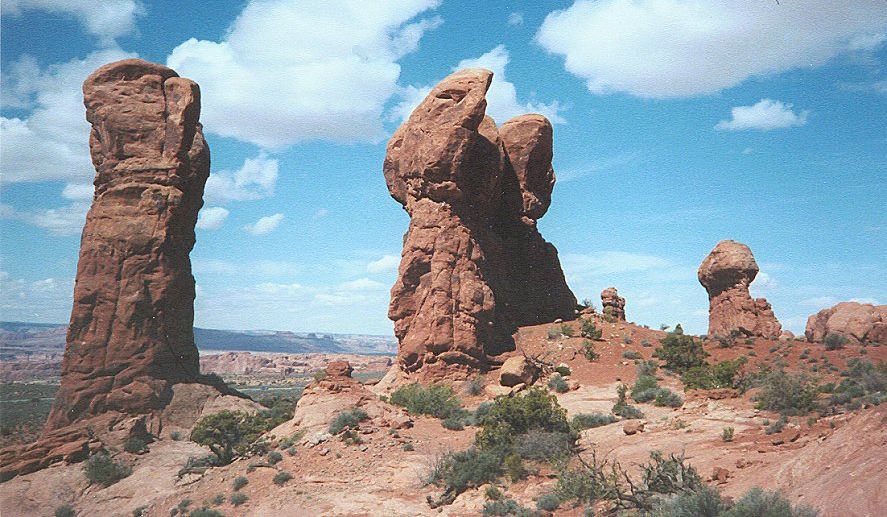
(857, 322)
(612, 304)
(726, 274)
(517, 370)
(474, 265)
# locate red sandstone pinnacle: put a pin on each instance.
(131, 331)
(612, 304)
(473, 264)
(726, 274)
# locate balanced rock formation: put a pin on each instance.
(474, 265)
(857, 322)
(612, 304)
(726, 274)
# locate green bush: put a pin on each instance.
(589, 351)
(475, 386)
(720, 375)
(643, 384)
(282, 477)
(666, 397)
(175, 436)
(514, 467)
(274, 457)
(757, 502)
(646, 395)
(218, 500)
(647, 368)
(567, 330)
(563, 370)
(622, 408)
(704, 502)
(777, 426)
(590, 420)
(834, 341)
(537, 445)
(507, 508)
(135, 445)
(864, 382)
(461, 470)
(727, 434)
(589, 330)
(183, 505)
(509, 417)
(436, 400)
(205, 512)
(790, 394)
(100, 469)
(348, 419)
(238, 498)
(680, 352)
(239, 482)
(65, 510)
(231, 433)
(140, 511)
(558, 384)
(548, 502)
(632, 355)
(578, 486)
(453, 423)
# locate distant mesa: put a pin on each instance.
(474, 266)
(612, 304)
(726, 274)
(855, 322)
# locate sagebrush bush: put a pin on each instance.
(589, 352)
(590, 420)
(644, 383)
(239, 482)
(274, 457)
(475, 386)
(437, 400)
(135, 445)
(453, 423)
(65, 510)
(509, 417)
(622, 408)
(791, 394)
(704, 502)
(218, 500)
(548, 502)
(238, 498)
(282, 477)
(666, 397)
(834, 341)
(205, 512)
(507, 508)
(101, 469)
(558, 384)
(566, 330)
(589, 330)
(727, 434)
(720, 375)
(680, 352)
(757, 502)
(537, 445)
(647, 368)
(348, 419)
(461, 470)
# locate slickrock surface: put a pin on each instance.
(612, 304)
(726, 274)
(858, 322)
(474, 265)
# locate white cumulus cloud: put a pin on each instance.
(765, 115)
(264, 225)
(289, 71)
(63, 221)
(212, 218)
(106, 19)
(680, 48)
(385, 264)
(255, 179)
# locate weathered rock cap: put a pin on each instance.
(340, 369)
(612, 304)
(528, 141)
(728, 264)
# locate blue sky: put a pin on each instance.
(677, 124)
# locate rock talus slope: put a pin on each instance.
(474, 265)
(726, 274)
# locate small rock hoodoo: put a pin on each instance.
(726, 274)
(474, 265)
(612, 304)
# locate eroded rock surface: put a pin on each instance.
(726, 274)
(857, 322)
(612, 304)
(473, 264)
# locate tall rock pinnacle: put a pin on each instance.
(131, 331)
(474, 265)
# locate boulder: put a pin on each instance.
(474, 265)
(857, 322)
(719, 475)
(633, 427)
(517, 370)
(726, 274)
(612, 304)
(341, 369)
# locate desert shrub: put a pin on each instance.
(65, 510)
(175, 435)
(567, 331)
(644, 383)
(475, 386)
(274, 457)
(554, 333)
(492, 493)
(680, 352)
(666, 397)
(509, 417)
(647, 368)
(231, 433)
(704, 502)
(282, 477)
(777, 426)
(514, 467)
(461, 470)
(834, 341)
(205, 512)
(626, 339)
(588, 350)
(239, 482)
(140, 511)
(539, 445)
(238, 498)
(864, 380)
(278, 409)
(548, 502)
(646, 343)
(563, 370)
(791, 394)
(645, 395)
(436, 400)
(590, 420)
(507, 508)
(720, 375)
(348, 419)
(101, 469)
(558, 384)
(577, 485)
(727, 434)
(589, 330)
(183, 505)
(135, 445)
(218, 500)
(622, 408)
(757, 502)
(631, 354)
(453, 423)
(609, 314)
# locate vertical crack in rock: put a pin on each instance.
(474, 266)
(131, 331)
(726, 274)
